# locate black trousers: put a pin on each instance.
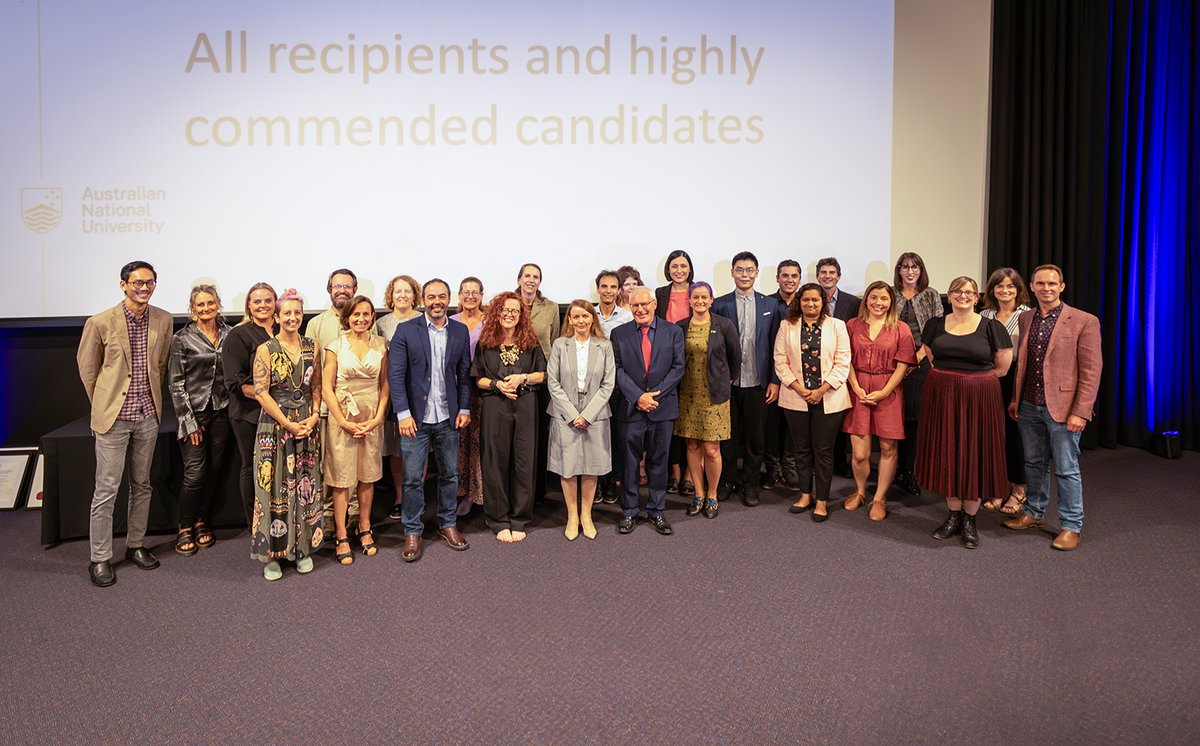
(245, 435)
(748, 420)
(778, 437)
(508, 457)
(913, 384)
(616, 440)
(542, 396)
(199, 461)
(1014, 449)
(815, 432)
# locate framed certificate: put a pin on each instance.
(33, 491)
(14, 467)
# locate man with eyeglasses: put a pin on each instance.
(756, 318)
(844, 306)
(122, 360)
(611, 315)
(779, 457)
(648, 353)
(324, 328)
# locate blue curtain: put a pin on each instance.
(1095, 134)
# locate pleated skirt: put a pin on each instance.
(960, 437)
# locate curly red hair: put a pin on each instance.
(493, 334)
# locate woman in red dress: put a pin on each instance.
(881, 352)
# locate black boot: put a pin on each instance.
(953, 524)
(970, 537)
(791, 478)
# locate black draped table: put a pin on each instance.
(70, 478)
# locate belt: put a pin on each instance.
(290, 400)
(873, 372)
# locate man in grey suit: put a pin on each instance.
(122, 359)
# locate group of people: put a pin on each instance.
(674, 389)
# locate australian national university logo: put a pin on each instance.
(41, 208)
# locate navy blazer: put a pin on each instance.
(847, 306)
(723, 359)
(769, 312)
(408, 368)
(666, 369)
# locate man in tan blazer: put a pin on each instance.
(122, 357)
(1058, 378)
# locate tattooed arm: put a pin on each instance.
(261, 368)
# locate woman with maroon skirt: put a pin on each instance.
(881, 352)
(960, 441)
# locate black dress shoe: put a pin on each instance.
(908, 483)
(770, 480)
(750, 498)
(102, 574)
(660, 524)
(396, 513)
(626, 524)
(142, 557)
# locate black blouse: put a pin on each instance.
(487, 364)
(237, 359)
(970, 353)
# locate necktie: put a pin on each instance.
(646, 347)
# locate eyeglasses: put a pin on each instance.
(963, 293)
(510, 312)
(469, 293)
(909, 267)
(641, 305)
(343, 287)
(745, 270)
(143, 284)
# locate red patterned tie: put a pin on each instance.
(646, 347)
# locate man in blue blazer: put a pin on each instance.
(428, 368)
(757, 318)
(649, 358)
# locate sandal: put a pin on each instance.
(204, 537)
(346, 557)
(1016, 509)
(185, 544)
(371, 549)
(994, 503)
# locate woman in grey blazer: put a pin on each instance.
(580, 375)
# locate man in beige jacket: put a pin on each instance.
(122, 357)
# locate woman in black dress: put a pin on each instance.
(960, 443)
(508, 363)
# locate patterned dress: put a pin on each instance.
(287, 472)
(699, 418)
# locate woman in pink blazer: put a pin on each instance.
(812, 359)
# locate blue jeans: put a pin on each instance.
(444, 440)
(1046, 440)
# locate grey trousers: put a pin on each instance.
(111, 448)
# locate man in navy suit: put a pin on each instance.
(844, 306)
(649, 357)
(757, 318)
(428, 374)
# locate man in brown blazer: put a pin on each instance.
(122, 357)
(1058, 377)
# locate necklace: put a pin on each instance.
(509, 354)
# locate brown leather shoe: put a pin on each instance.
(412, 549)
(455, 539)
(1067, 541)
(1024, 521)
(854, 501)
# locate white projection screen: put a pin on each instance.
(233, 142)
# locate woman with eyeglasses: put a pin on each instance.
(508, 364)
(916, 304)
(960, 449)
(470, 475)
(401, 297)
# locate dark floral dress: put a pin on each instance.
(287, 472)
(810, 354)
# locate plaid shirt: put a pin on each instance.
(138, 401)
(1040, 329)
